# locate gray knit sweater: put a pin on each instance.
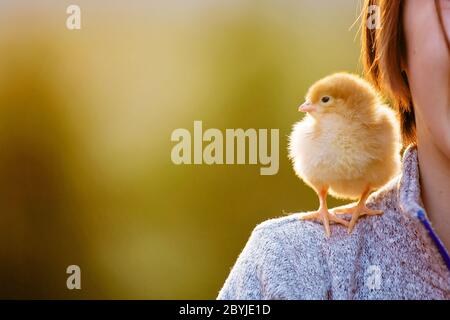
(391, 256)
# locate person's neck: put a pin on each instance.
(434, 167)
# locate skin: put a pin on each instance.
(428, 70)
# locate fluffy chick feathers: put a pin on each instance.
(347, 145)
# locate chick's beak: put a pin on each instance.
(306, 107)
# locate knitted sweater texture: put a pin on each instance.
(391, 256)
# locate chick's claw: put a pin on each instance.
(356, 211)
(363, 211)
(325, 217)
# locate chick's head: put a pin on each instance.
(344, 94)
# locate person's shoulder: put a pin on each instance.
(287, 257)
(281, 260)
(283, 228)
(289, 237)
(281, 224)
(292, 232)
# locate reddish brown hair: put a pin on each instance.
(384, 55)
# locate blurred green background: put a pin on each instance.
(86, 117)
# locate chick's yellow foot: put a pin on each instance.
(356, 211)
(325, 217)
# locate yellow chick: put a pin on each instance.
(347, 145)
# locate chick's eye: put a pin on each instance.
(325, 99)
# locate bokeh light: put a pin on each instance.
(85, 123)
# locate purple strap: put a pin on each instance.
(422, 217)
